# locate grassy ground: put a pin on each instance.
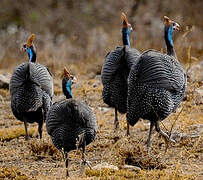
(39, 159)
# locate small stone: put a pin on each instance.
(105, 165)
(179, 136)
(197, 128)
(132, 168)
(195, 72)
(104, 109)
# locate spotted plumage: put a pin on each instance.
(114, 77)
(115, 71)
(31, 89)
(157, 84)
(66, 120)
(70, 123)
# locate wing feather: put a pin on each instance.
(158, 70)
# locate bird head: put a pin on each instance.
(125, 22)
(67, 82)
(29, 48)
(68, 76)
(29, 43)
(126, 30)
(170, 26)
(170, 23)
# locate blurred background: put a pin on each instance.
(78, 33)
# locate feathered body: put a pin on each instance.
(66, 120)
(157, 84)
(71, 124)
(115, 72)
(31, 89)
(114, 75)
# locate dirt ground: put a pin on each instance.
(39, 159)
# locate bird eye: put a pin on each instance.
(24, 45)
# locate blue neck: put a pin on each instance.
(170, 33)
(126, 36)
(31, 54)
(169, 42)
(68, 87)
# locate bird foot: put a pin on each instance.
(116, 125)
(82, 165)
(27, 138)
(79, 140)
(67, 173)
(116, 128)
(166, 137)
(127, 132)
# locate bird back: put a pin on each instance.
(31, 72)
(27, 86)
(67, 119)
(157, 84)
(114, 76)
(158, 70)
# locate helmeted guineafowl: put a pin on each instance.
(30, 48)
(70, 123)
(31, 90)
(157, 84)
(115, 71)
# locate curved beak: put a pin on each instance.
(176, 27)
(74, 80)
(130, 27)
(23, 48)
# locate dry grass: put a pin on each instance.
(42, 149)
(8, 134)
(150, 175)
(4, 92)
(12, 173)
(39, 159)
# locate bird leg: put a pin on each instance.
(116, 122)
(65, 159)
(66, 163)
(26, 130)
(163, 134)
(83, 160)
(128, 129)
(46, 104)
(40, 129)
(80, 140)
(62, 153)
(150, 135)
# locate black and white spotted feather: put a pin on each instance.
(31, 90)
(157, 84)
(114, 75)
(68, 119)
